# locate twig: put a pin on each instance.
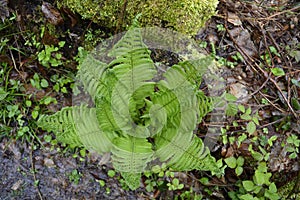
(266, 45)
(282, 12)
(243, 53)
(274, 122)
(271, 16)
(272, 103)
(14, 62)
(286, 100)
(33, 171)
(262, 86)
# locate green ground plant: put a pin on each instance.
(74, 176)
(50, 55)
(135, 119)
(260, 146)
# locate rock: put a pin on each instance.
(49, 162)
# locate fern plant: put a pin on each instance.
(135, 118)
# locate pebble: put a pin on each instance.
(49, 162)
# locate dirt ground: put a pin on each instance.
(249, 29)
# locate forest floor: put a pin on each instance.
(257, 43)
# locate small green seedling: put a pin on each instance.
(175, 185)
(50, 55)
(75, 176)
(236, 164)
(293, 146)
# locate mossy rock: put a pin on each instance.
(185, 16)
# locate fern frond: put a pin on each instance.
(133, 180)
(105, 116)
(178, 98)
(183, 152)
(130, 154)
(132, 40)
(192, 158)
(132, 71)
(89, 131)
(78, 126)
(193, 70)
(63, 125)
(90, 74)
(171, 144)
(205, 104)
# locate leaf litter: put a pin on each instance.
(250, 29)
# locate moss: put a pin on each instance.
(185, 16)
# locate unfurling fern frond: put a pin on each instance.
(132, 68)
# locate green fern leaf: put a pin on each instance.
(131, 41)
(105, 116)
(78, 126)
(90, 74)
(133, 180)
(171, 144)
(130, 154)
(132, 71)
(205, 104)
(63, 125)
(90, 133)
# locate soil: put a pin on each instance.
(30, 171)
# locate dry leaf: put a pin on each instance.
(17, 185)
(4, 12)
(234, 19)
(243, 39)
(52, 14)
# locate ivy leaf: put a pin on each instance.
(247, 197)
(231, 109)
(248, 111)
(255, 120)
(204, 180)
(248, 185)
(261, 178)
(246, 117)
(257, 156)
(231, 162)
(240, 161)
(230, 97)
(273, 188)
(295, 103)
(262, 167)
(271, 195)
(277, 71)
(44, 83)
(295, 82)
(239, 171)
(295, 54)
(271, 140)
(241, 108)
(251, 127)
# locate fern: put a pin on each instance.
(136, 119)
